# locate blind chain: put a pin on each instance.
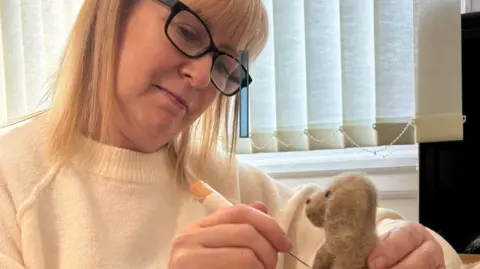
(382, 151)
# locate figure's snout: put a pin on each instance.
(315, 207)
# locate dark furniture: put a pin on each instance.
(449, 191)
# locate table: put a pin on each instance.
(470, 258)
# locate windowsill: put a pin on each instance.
(395, 176)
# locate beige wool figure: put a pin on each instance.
(347, 212)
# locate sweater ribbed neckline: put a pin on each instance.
(119, 163)
(116, 163)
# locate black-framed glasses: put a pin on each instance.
(191, 36)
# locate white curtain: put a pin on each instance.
(32, 37)
(349, 73)
(334, 74)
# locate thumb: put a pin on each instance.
(259, 206)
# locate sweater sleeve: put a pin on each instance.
(10, 242)
(287, 206)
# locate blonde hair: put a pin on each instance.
(83, 91)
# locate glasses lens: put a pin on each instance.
(188, 33)
(228, 74)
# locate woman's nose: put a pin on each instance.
(197, 71)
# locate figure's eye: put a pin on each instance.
(328, 193)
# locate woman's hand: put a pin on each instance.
(236, 237)
(409, 246)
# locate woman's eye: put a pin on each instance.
(222, 68)
(187, 33)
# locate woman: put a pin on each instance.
(99, 180)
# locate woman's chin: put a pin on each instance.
(165, 121)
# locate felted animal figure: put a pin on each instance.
(347, 212)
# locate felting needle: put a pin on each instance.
(212, 200)
(300, 260)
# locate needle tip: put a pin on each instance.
(298, 259)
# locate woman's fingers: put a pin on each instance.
(232, 258)
(244, 214)
(398, 243)
(231, 236)
(259, 206)
(234, 237)
(423, 257)
(408, 244)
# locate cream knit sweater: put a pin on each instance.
(114, 208)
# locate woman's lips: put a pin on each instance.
(175, 98)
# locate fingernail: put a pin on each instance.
(378, 263)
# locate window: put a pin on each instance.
(373, 76)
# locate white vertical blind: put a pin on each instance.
(438, 69)
(334, 74)
(350, 73)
